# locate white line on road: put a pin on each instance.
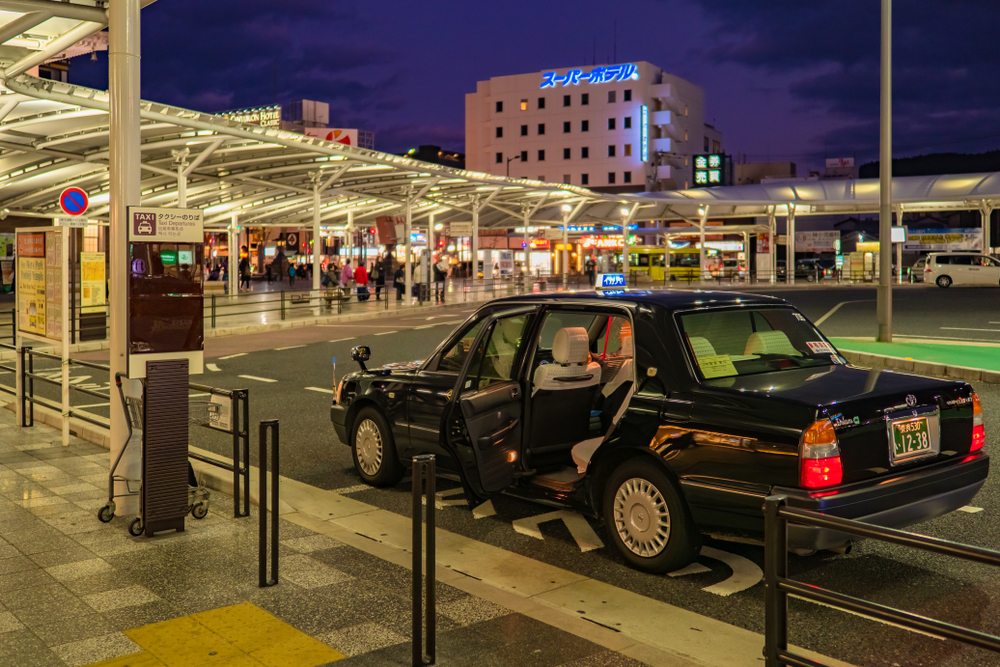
(836, 308)
(870, 618)
(233, 356)
(426, 326)
(320, 389)
(353, 489)
(484, 510)
(340, 340)
(693, 568)
(212, 367)
(581, 531)
(254, 377)
(382, 333)
(969, 509)
(290, 347)
(968, 329)
(745, 572)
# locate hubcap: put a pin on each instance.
(641, 517)
(368, 443)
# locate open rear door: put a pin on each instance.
(482, 426)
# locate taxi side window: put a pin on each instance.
(454, 357)
(494, 361)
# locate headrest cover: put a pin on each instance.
(571, 346)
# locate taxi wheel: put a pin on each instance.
(374, 449)
(943, 281)
(646, 519)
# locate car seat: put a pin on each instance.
(770, 342)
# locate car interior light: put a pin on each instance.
(978, 429)
(820, 464)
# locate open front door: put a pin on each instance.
(482, 427)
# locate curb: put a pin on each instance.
(950, 372)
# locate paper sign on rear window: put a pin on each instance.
(718, 366)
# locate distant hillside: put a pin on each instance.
(937, 163)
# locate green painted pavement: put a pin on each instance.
(969, 356)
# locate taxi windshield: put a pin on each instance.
(747, 341)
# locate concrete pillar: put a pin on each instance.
(126, 190)
(475, 240)
(666, 258)
(408, 249)
(772, 245)
(526, 267)
(565, 253)
(985, 212)
(317, 246)
(790, 246)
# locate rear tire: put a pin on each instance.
(374, 449)
(647, 520)
(943, 281)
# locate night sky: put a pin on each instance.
(784, 80)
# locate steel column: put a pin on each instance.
(474, 244)
(406, 240)
(702, 220)
(233, 232)
(885, 181)
(790, 246)
(317, 246)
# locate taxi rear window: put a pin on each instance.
(746, 341)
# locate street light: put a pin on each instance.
(516, 157)
(625, 249)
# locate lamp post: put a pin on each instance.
(516, 157)
(566, 208)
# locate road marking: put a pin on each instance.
(382, 333)
(212, 367)
(581, 531)
(340, 340)
(440, 502)
(836, 308)
(484, 510)
(233, 356)
(320, 389)
(290, 347)
(426, 326)
(254, 377)
(745, 572)
(353, 489)
(693, 568)
(968, 329)
(968, 509)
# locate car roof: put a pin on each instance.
(957, 252)
(670, 299)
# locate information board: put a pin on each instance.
(506, 262)
(92, 285)
(53, 285)
(31, 283)
(170, 225)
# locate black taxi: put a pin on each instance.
(666, 415)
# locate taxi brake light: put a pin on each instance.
(819, 457)
(978, 429)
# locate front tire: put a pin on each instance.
(374, 449)
(943, 281)
(646, 519)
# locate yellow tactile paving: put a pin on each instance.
(242, 635)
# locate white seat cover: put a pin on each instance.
(569, 350)
(770, 342)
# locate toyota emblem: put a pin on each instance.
(911, 400)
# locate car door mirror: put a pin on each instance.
(361, 354)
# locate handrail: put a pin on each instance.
(779, 586)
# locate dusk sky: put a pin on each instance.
(783, 80)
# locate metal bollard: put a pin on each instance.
(424, 467)
(213, 311)
(265, 426)
(775, 568)
(282, 304)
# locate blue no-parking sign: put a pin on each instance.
(74, 201)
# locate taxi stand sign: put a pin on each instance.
(613, 281)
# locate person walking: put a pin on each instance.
(440, 276)
(267, 269)
(291, 275)
(346, 275)
(590, 267)
(244, 271)
(399, 280)
(361, 281)
(377, 277)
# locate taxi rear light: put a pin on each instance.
(978, 428)
(819, 457)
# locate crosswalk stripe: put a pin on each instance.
(259, 379)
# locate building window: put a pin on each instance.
(541, 128)
(499, 107)
(627, 95)
(585, 152)
(499, 158)
(716, 146)
(585, 98)
(611, 178)
(90, 238)
(611, 151)
(628, 150)
(611, 123)
(627, 123)
(611, 97)
(584, 179)
(499, 133)
(627, 177)
(541, 178)
(685, 110)
(541, 157)
(685, 135)
(524, 130)
(566, 179)
(566, 153)
(706, 144)
(585, 126)
(565, 127)
(566, 104)
(524, 105)
(541, 102)
(524, 156)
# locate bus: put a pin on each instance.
(683, 262)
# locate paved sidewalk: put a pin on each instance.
(74, 591)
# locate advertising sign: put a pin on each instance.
(165, 225)
(7, 272)
(263, 116)
(816, 241)
(763, 244)
(603, 74)
(386, 226)
(92, 286)
(506, 262)
(348, 137)
(6, 245)
(712, 169)
(53, 285)
(944, 240)
(461, 229)
(839, 162)
(31, 283)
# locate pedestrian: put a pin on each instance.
(332, 276)
(377, 277)
(291, 274)
(361, 281)
(244, 271)
(590, 267)
(440, 276)
(347, 275)
(267, 268)
(399, 280)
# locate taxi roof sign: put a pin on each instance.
(610, 281)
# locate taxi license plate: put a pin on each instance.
(911, 438)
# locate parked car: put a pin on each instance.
(666, 415)
(945, 269)
(728, 269)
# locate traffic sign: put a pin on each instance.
(74, 201)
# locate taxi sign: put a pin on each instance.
(610, 281)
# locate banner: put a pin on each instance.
(387, 226)
(92, 287)
(506, 263)
(816, 241)
(944, 240)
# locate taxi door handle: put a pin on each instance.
(515, 392)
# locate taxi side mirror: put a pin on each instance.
(361, 354)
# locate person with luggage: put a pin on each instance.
(361, 281)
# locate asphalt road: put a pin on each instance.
(288, 375)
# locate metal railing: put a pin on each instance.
(779, 586)
(29, 399)
(237, 424)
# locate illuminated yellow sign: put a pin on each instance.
(263, 116)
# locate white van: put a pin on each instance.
(961, 268)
